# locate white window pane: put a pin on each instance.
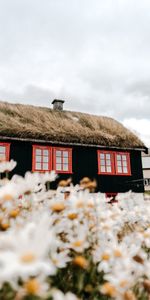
(119, 163)
(45, 152)
(58, 160)
(38, 166)
(108, 169)
(102, 155)
(108, 162)
(103, 169)
(65, 153)
(45, 159)
(38, 152)
(118, 157)
(2, 149)
(107, 156)
(38, 158)
(119, 169)
(2, 155)
(125, 170)
(65, 167)
(124, 163)
(102, 162)
(124, 157)
(65, 160)
(45, 166)
(58, 167)
(58, 153)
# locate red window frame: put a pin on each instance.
(61, 149)
(114, 163)
(112, 172)
(127, 154)
(34, 148)
(7, 151)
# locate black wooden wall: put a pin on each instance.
(84, 160)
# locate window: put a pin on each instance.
(4, 151)
(113, 163)
(62, 160)
(122, 163)
(42, 158)
(106, 165)
(47, 158)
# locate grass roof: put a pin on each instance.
(32, 122)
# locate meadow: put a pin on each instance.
(56, 245)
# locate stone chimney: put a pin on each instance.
(58, 104)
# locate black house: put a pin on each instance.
(73, 144)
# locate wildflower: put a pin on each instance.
(58, 295)
(60, 259)
(14, 213)
(108, 289)
(64, 183)
(72, 216)
(7, 166)
(26, 256)
(48, 176)
(58, 207)
(77, 235)
(80, 261)
(4, 225)
(146, 284)
(32, 286)
(129, 295)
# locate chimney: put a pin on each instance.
(58, 104)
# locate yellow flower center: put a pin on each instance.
(7, 197)
(32, 286)
(57, 207)
(123, 283)
(77, 243)
(90, 205)
(79, 204)
(4, 226)
(72, 216)
(14, 213)
(129, 295)
(28, 258)
(108, 289)
(117, 253)
(106, 227)
(81, 262)
(105, 256)
(146, 284)
(55, 261)
(146, 234)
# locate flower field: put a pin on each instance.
(74, 246)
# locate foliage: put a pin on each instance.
(74, 245)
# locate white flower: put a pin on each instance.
(58, 295)
(48, 176)
(28, 254)
(78, 238)
(7, 166)
(60, 259)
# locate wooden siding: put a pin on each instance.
(84, 163)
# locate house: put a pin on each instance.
(146, 169)
(72, 143)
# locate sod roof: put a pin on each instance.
(45, 124)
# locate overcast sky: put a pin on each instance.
(95, 54)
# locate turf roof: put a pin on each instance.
(41, 123)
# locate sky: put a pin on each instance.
(94, 54)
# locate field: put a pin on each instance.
(71, 245)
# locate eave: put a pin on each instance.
(144, 149)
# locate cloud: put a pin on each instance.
(140, 128)
(93, 54)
